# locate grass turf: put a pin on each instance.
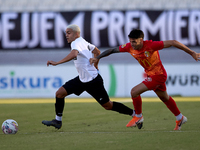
(89, 126)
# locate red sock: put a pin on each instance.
(171, 104)
(137, 103)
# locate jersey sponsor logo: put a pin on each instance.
(146, 53)
(123, 46)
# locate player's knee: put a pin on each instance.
(133, 93)
(60, 94)
(164, 98)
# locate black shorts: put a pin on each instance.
(95, 88)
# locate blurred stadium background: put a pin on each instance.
(78, 5)
(39, 56)
(18, 56)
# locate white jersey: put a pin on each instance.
(86, 71)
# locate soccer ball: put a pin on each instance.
(9, 126)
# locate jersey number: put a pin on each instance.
(144, 62)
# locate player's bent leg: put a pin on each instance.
(103, 99)
(60, 102)
(118, 107)
(138, 118)
(138, 89)
(171, 105)
(121, 108)
(163, 96)
(137, 103)
(59, 106)
(61, 92)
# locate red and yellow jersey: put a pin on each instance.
(148, 56)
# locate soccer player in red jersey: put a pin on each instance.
(146, 53)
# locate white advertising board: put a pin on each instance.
(42, 82)
(33, 81)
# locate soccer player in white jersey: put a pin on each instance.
(88, 80)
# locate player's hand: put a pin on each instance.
(196, 56)
(93, 60)
(53, 63)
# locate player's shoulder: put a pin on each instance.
(150, 42)
(153, 45)
(127, 45)
(146, 42)
(78, 41)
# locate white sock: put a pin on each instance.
(59, 118)
(179, 117)
(138, 115)
(133, 113)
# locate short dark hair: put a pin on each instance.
(136, 33)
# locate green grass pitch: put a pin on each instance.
(87, 126)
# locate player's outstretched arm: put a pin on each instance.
(181, 46)
(69, 57)
(96, 53)
(196, 56)
(104, 54)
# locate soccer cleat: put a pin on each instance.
(136, 121)
(57, 124)
(139, 125)
(180, 122)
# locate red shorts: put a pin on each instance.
(156, 82)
